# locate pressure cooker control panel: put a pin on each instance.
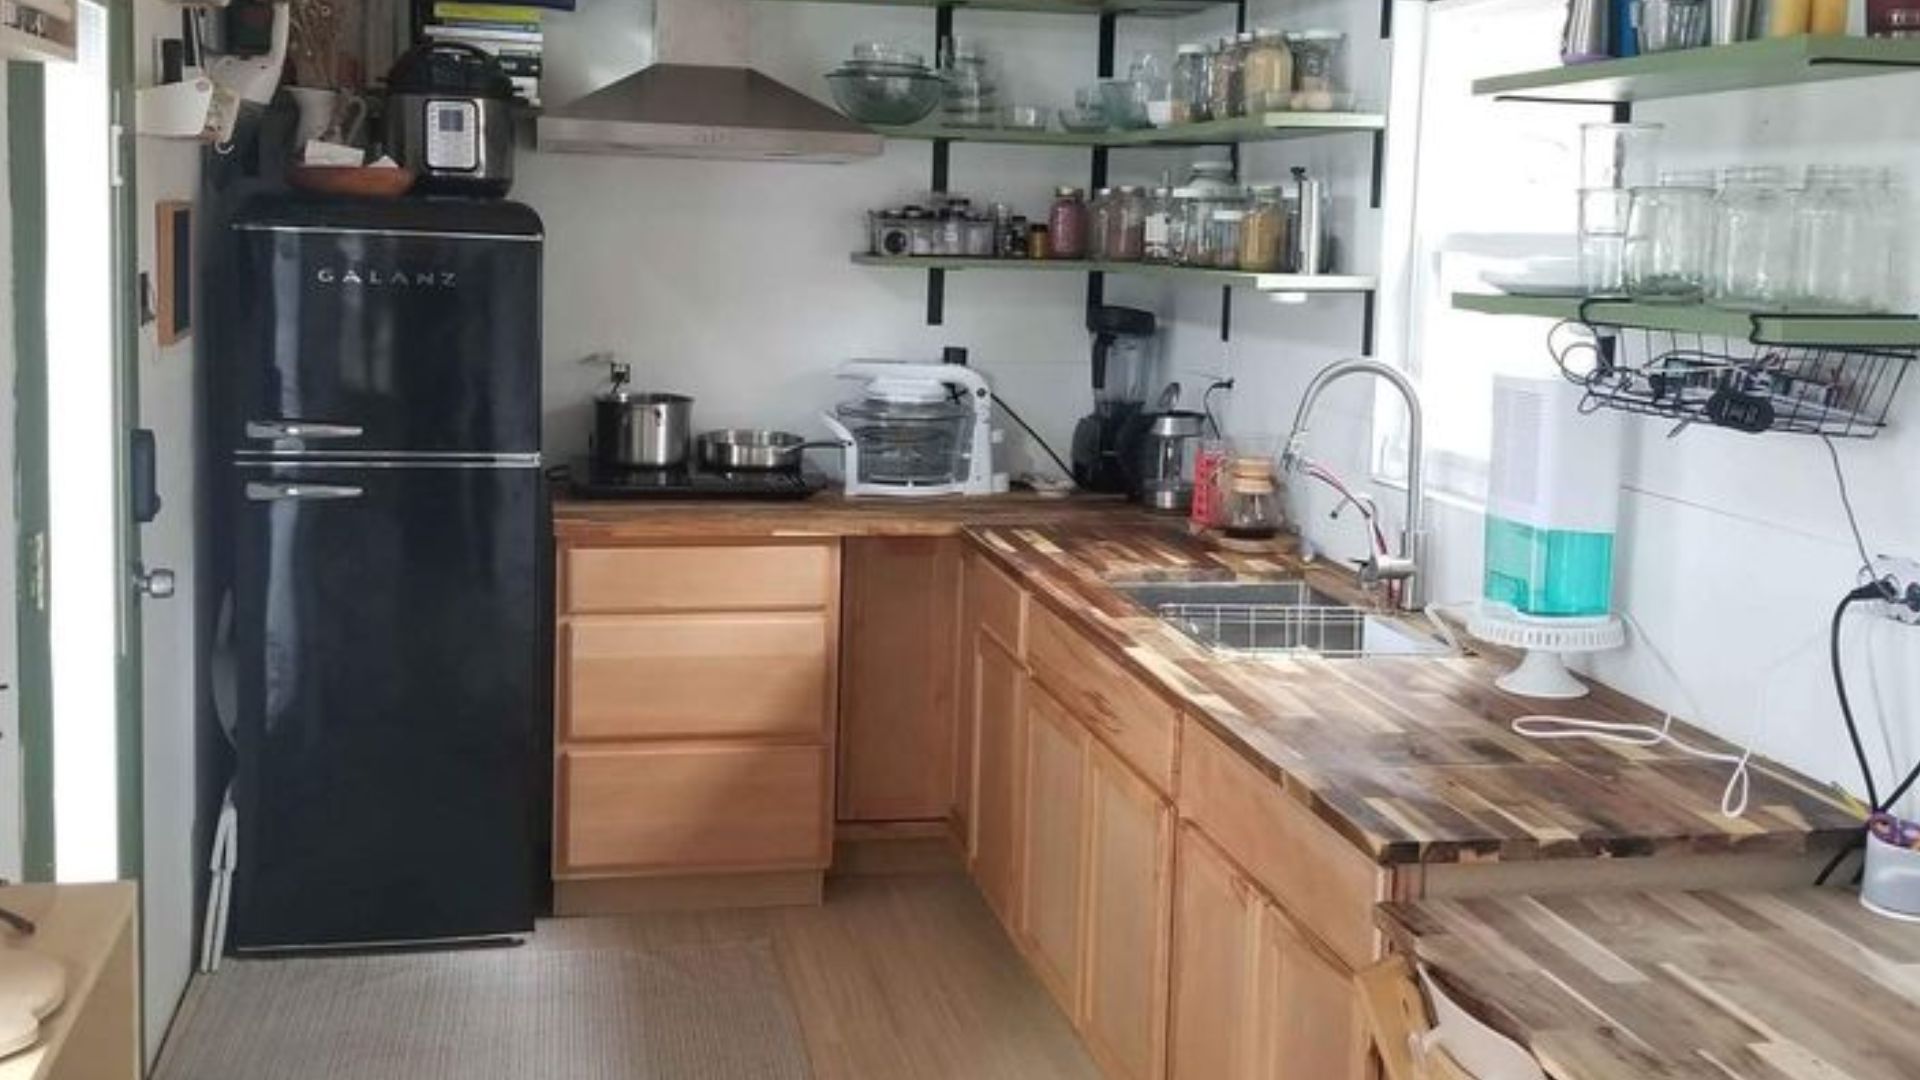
(453, 135)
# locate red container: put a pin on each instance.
(1209, 467)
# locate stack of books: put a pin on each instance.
(511, 32)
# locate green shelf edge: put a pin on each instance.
(1864, 332)
(1271, 127)
(1154, 9)
(1268, 283)
(1744, 65)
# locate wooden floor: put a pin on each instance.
(895, 977)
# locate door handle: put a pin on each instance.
(259, 492)
(155, 584)
(302, 429)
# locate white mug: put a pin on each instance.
(324, 115)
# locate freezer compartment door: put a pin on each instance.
(364, 341)
(387, 652)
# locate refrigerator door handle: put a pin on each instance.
(302, 429)
(267, 492)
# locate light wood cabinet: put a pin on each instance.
(1216, 933)
(1129, 918)
(1000, 692)
(1053, 845)
(1306, 1011)
(695, 692)
(900, 622)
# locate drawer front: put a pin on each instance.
(1326, 885)
(657, 809)
(742, 577)
(695, 676)
(1141, 728)
(998, 605)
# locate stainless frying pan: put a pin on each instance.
(755, 450)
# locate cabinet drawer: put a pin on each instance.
(1325, 884)
(740, 577)
(692, 808)
(997, 605)
(695, 676)
(1141, 728)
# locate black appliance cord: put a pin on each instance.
(1871, 591)
(1065, 470)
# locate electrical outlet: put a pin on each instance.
(1904, 573)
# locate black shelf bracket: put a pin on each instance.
(1226, 313)
(1386, 20)
(1379, 169)
(1366, 323)
(942, 170)
(1097, 171)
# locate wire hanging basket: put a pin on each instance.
(1751, 385)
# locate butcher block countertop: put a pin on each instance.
(1410, 759)
(1681, 986)
(1413, 759)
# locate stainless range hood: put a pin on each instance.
(701, 100)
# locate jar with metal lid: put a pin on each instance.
(1180, 234)
(981, 237)
(1190, 104)
(1266, 74)
(1126, 225)
(1263, 235)
(1156, 226)
(1316, 54)
(1099, 223)
(1223, 80)
(1067, 224)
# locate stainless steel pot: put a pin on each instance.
(755, 450)
(635, 430)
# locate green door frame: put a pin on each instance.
(26, 127)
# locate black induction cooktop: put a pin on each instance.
(590, 480)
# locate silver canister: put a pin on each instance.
(1584, 39)
(1731, 21)
(1310, 224)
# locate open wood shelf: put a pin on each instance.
(1268, 283)
(1745, 65)
(1773, 328)
(1269, 127)
(1159, 9)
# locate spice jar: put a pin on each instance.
(1266, 74)
(1067, 224)
(1099, 210)
(1039, 243)
(1190, 84)
(1263, 235)
(1156, 226)
(1315, 54)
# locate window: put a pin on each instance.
(1492, 183)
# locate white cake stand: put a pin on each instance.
(1543, 673)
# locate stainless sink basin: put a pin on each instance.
(1276, 618)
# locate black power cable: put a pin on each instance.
(1065, 469)
(1875, 590)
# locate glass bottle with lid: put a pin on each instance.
(1127, 224)
(1223, 80)
(1263, 234)
(1099, 223)
(1316, 54)
(1227, 225)
(1067, 224)
(1190, 84)
(1156, 226)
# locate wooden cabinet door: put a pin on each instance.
(899, 622)
(1307, 1022)
(993, 850)
(1216, 927)
(1129, 916)
(1053, 846)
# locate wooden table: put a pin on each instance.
(1802, 985)
(94, 931)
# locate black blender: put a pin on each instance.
(1106, 443)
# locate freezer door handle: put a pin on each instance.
(302, 429)
(269, 492)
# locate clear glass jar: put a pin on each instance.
(1753, 227)
(1263, 235)
(1190, 104)
(1099, 223)
(1153, 81)
(1251, 509)
(1127, 224)
(1266, 75)
(1834, 218)
(1067, 225)
(1224, 241)
(1223, 80)
(1670, 237)
(982, 237)
(1316, 55)
(1895, 215)
(1180, 235)
(1156, 226)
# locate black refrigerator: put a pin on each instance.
(379, 538)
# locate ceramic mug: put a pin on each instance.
(327, 114)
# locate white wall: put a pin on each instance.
(10, 794)
(1733, 549)
(167, 169)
